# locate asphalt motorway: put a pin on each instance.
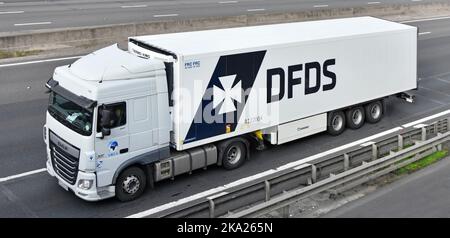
(22, 109)
(22, 15)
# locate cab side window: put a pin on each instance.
(118, 116)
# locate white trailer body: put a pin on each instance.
(312, 67)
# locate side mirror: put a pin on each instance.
(107, 119)
(103, 133)
(106, 131)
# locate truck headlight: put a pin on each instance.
(85, 184)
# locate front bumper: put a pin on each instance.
(92, 194)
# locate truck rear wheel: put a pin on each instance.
(336, 123)
(234, 155)
(355, 117)
(130, 184)
(374, 112)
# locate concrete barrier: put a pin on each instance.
(100, 35)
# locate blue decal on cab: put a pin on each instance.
(112, 145)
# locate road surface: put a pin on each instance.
(20, 15)
(22, 110)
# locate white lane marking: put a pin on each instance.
(434, 91)
(1, 3)
(228, 2)
(217, 195)
(367, 143)
(12, 12)
(373, 3)
(33, 23)
(22, 175)
(428, 98)
(166, 15)
(442, 80)
(416, 0)
(39, 61)
(424, 33)
(419, 126)
(318, 6)
(426, 119)
(256, 10)
(133, 6)
(427, 19)
(302, 166)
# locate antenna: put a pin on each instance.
(103, 74)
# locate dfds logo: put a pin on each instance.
(309, 68)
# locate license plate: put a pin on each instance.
(63, 185)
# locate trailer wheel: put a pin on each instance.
(130, 184)
(355, 117)
(234, 155)
(374, 112)
(336, 123)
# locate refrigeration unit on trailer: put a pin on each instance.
(118, 121)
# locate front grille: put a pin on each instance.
(64, 164)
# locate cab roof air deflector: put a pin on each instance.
(84, 102)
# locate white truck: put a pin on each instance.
(118, 121)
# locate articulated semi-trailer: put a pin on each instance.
(119, 121)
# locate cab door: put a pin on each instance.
(113, 149)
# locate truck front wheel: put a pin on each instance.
(130, 184)
(234, 155)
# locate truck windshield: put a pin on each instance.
(70, 114)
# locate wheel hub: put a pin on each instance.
(234, 155)
(375, 111)
(357, 117)
(131, 184)
(337, 123)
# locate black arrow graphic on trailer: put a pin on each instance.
(233, 75)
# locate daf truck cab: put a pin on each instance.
(106, 111)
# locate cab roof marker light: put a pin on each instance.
(51, 83)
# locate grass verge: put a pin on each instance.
(424, 162)
(19, 53)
